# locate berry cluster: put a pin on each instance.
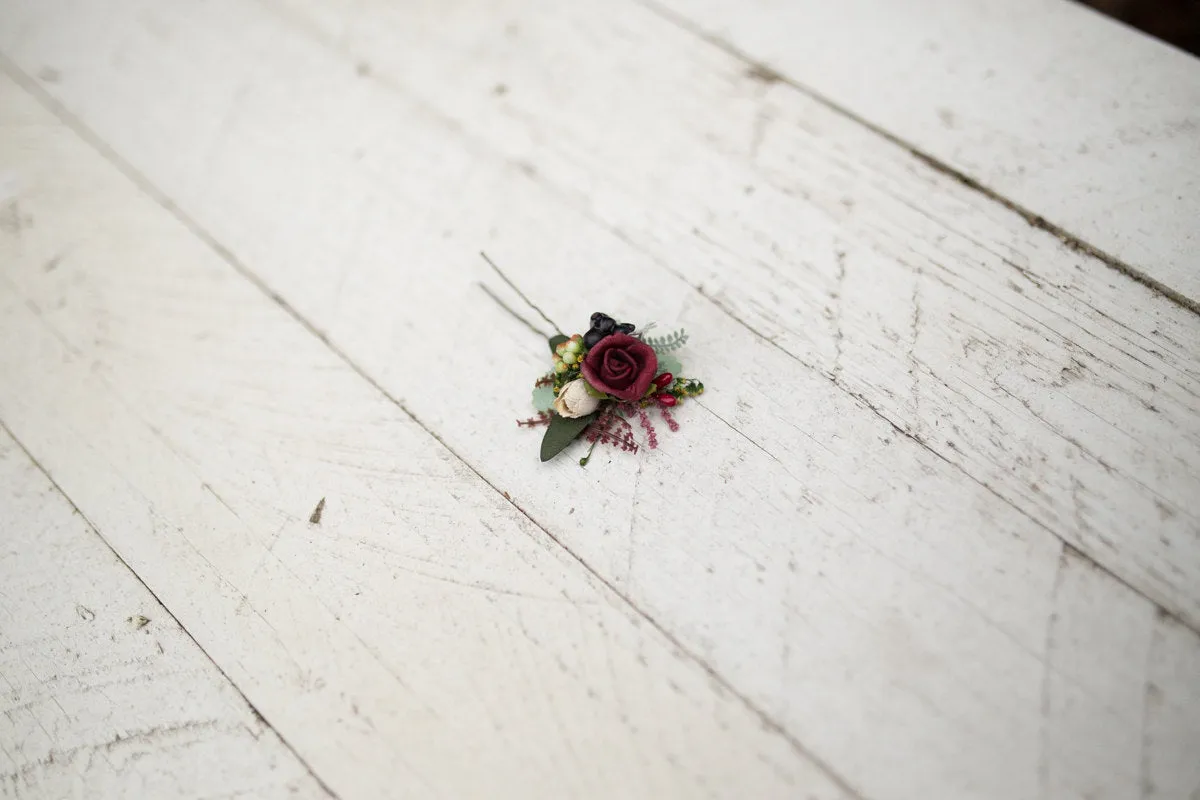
(568, 357)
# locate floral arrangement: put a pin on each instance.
(604, 378)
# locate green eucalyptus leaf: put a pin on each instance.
(555, 341)
(561, 432)
(669, 363)
(543, 398)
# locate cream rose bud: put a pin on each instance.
(575, 400)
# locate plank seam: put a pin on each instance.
(148, 188)
(765, 73)
(94, 529)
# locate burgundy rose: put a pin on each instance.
(621, 366)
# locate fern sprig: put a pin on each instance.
(665, 344)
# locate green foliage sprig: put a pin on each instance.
(670, 342)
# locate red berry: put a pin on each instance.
(664, 380)
(667, 400)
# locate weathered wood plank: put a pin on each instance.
(423, 638)
(103, 694)
(1064, 388)
(1092, 624)
(1147, 688)
(868, 575)
(995, 346)
(1170, 768)
(1070, 115)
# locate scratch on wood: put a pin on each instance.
(759, 131)
(213, 492)
(1025, 273)
(1074, 371)
(155, 735)
(735, 430)
(760, 72)
(1151, 701)
(1048, 646)
(315, 517)
(629, 542)
(1165, 512)
(914, 333)
(483, 586)
(85, 613)
(838, 335)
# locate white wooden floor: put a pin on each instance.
(933, 532)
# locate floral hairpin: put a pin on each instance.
(602, 379)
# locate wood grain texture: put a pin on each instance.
(873, 583)
(1170, 768)
(96, 702)
(1147, 689)
(1063, 388)
(812, 533)
(995, 346)
(1067, 113)
(424, 638)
